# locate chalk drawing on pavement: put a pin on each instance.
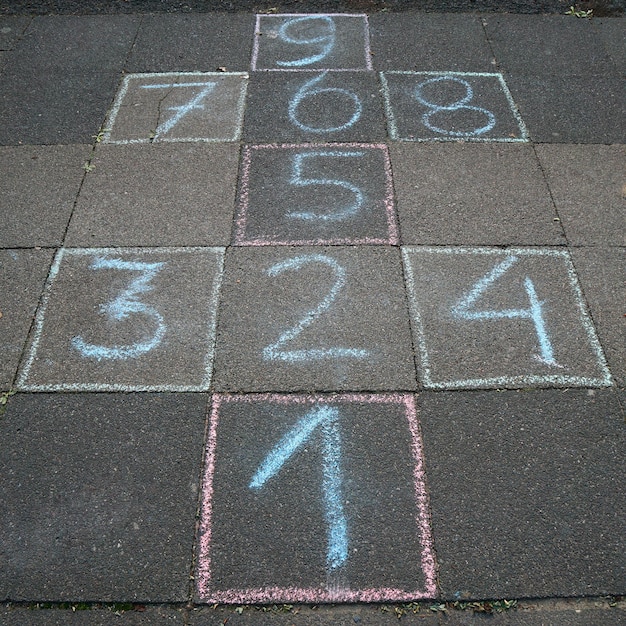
(298, 194)
(266, 450)
(300, 42)
(177, 107)
(488, 317)
(126, 319)
(451, 106)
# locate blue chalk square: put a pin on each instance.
(296, 42)
(177, 106)
(492, 317)
(126, 319)
(303, 194)
(299, 506)
(450, 106)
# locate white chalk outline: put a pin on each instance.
(503, 381)
(217, 251)
(366, 40)
(121, 94)
(393, 126)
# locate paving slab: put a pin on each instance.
(367, 615)
(571, 109)
(611, 33)
(126, 319)
(11, 29)
(492, 318)
(192, 205)
(38, 189)
(313, 319)
(22, 277)
(588, 187)
(314, 107)
(548, 45)
(48, 107)
(197, 42)
(527, 489)
(324, 194)
(601, 272)
(151, 616)
(75, 43)
(177, 106)
(473, 194)
(450, 106)
(100, 496)
(311, 42)
(429, 42)
(298, 506)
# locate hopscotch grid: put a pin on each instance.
(308, 594)
(393, 126)
(204, 386)
(366, 35)
(240, 238)
(505, 381)
(121, 94)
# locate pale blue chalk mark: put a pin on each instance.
(275, 352)
(309, 89)
(327, 41)
(122, 307)
(462, 103)
(184, 109)
(534, 313)
(299, 181)
(337, 526)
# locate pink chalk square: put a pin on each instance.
(316, 194)
(315, 41)
(314, 498)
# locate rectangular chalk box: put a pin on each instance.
(126, 319)
(451, 106)
(314, 498)
(313, 195)
(178, 106)
(492, 317)
(296, 42)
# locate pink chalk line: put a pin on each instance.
(304, 594)
(241, 239)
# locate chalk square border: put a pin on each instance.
(121, 94)
(393, 125)
(23, 385)
(503, 381)
(331, 593)
(366, 38)
(240, 238)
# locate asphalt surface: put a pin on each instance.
(312, 319)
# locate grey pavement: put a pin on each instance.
(312, 319)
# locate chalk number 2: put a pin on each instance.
(276, 351)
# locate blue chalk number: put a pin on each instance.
(461, 104)
(299, 181)
(124, 306)
(325, 41)
(327, 419)
(464, 308)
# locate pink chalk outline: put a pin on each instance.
(334, 593)
(366, 44)
(244, 200)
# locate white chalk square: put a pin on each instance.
(314, 41)
(491, 317)
(451, 106)
(126, 319)
(177, 106)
